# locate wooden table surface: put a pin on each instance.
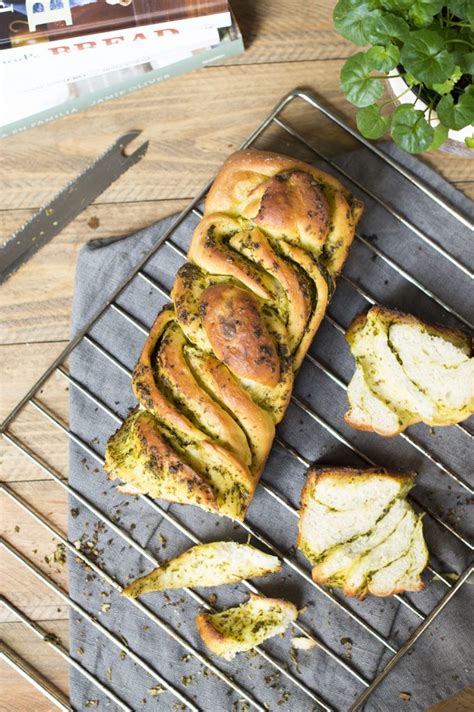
(193, 122)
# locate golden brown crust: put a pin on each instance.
(288, 198)
(313, 270)
(174, 369)
(355, 593)
(204, 452)
(238, 335)
(213, 638)
(210, 250)
(318, 473)
(292, 205)
(358, 425)
(356, 324)
(245, 169)
(188, 482)
(144, 384)
(254, 244)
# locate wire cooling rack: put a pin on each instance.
(300, 143)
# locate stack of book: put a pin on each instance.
(59, 56)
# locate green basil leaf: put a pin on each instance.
(440, 136)
(425, 55)
(457, 116)
(383, 58)
(469, 141)
(356, 83)
(421, 12)
(446, 87)
(350, 16)
(410, 130)
(381, 30)
(370, 123)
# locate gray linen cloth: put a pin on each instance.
(439, 664)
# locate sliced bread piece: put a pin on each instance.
(339, 505)
(242, 628)
(359, 532)
(214, 564)
(383, 372)
(406, 372)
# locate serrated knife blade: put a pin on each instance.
(68, 204)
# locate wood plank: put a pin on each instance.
(33, 540)
(17, 693)
(272, 34)
(188, 140)
(36, 302)
(20, 367)
(44, 439)
(17, 467)
(101, 220)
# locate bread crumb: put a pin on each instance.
(303, 643)
(347, 643)
(156, 690)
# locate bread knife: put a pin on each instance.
(68, 203)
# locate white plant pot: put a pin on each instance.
(455, 142)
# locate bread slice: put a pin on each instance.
(407, 371)
(359, 532)
(242, 628)
(214, 564)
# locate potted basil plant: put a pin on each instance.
(425, 51)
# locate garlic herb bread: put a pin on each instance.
(214, 564)
(359, 532)
(242, 628)
(217, 369)
(407, 371)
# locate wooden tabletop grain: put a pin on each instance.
(193, 122)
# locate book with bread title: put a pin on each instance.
(62, 25)
(37, 89)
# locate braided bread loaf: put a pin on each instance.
(216, 372)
